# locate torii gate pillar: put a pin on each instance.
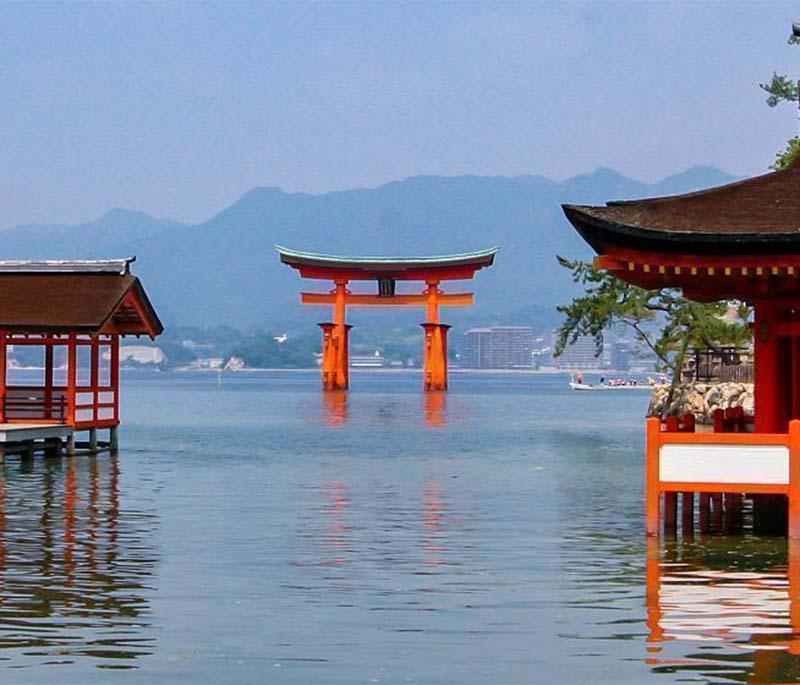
(335, 337)
(435, 350)
(435, 369)
(335, 356)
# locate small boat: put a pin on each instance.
(614, 385)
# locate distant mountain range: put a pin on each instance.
(225, 270)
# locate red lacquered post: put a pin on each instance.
(652, 491)
(794, 479)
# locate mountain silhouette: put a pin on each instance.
(225, 270)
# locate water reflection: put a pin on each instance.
(339, 407)
(75, 568)
(334, 407)
(726, 608)
(349, 530)
(335, 509)
(435, 408)
(433, 514)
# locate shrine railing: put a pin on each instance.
(34, 403)
(90, 407)
(680, 460)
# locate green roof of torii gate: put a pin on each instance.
(475, 260)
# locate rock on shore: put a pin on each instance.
(702, 399)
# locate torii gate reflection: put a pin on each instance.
(335, 411)
(386, 271)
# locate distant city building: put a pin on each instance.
(582, 354)
(367, 361)
(621, 355)
(214, 363)
(141, 354)
(542, 353)
(498, 347)
(234, 364)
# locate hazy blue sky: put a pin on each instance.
(177, 109)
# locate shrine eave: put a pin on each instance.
(609, 235)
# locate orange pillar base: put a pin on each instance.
(435, 369)
(335, 357)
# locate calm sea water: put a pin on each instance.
(259, 532)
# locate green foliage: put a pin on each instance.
(783, 88)
(396, 343)
(262, 350)
(662, 320)
(786, 157)
(780, 89)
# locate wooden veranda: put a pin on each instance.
(69, 316)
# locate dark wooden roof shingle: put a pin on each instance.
(87, 302)
(759, 214)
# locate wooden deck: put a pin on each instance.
(27, 438)
(14, 432)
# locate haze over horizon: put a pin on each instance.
(177, 109)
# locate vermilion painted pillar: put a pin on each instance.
(113, 435)
(794, 479)
(435, 350)
(3, 373)
(652, 490)
(94, 376)
(72, 378)
(432, 307)
(48, 381)
(435, 356)
(766, 386)
(335, 353)
(339, 339)
(115, 374)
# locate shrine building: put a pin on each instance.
(60, 328)
(740, 241)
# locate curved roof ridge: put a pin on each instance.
(425, 259)
(119, 266)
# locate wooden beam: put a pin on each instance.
(618, 258)
(359, 299)
(3, 374)
(72, 379)
(114, 380)
(94, 376)
(455, 273)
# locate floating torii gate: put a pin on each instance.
(385, 271)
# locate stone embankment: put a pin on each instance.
(702, 399)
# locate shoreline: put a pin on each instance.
(514, 372)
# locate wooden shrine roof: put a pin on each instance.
(314, 265)
(759, 215)
(72, 296)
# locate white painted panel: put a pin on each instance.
(84, 415)
(763, 464)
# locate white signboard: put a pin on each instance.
(761, 464)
